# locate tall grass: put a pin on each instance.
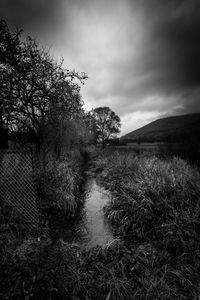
(157, 203)
(155, 214)
(59, 183)
(152, 197)
(60, 188)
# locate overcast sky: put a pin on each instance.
(142, 56)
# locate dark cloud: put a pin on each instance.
(140, 55)
(179, 32)
(174, 42)
(30, 14)
(167, 71)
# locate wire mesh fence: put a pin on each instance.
(17, 187)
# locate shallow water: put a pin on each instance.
(91, 229)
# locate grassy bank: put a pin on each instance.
(157, 203)
(60, 186)
(154, 213)
(152, 197)
(59, 182)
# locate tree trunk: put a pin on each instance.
(103, 143)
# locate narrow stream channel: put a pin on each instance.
(91, 229)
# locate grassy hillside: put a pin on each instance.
(171, 129)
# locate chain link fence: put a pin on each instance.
(18, 188)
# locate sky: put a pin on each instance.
(142, 57)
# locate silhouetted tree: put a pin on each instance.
(107, 123)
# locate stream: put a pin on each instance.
(91, 228)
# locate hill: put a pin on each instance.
(170, 129)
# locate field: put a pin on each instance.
(143, 147)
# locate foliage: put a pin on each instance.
(107, 123)
(35, 90)
(71, 134)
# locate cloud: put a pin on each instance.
(177, 32)
(142, 57)
(34, 16)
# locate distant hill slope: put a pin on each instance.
(170, 129)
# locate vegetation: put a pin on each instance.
(41, 106)
(36, 92)
(156, 207)
(42, 270)
(155, 215)
(58, 185)
(107, 123)
(154, 212)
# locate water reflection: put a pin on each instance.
(91, 229)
